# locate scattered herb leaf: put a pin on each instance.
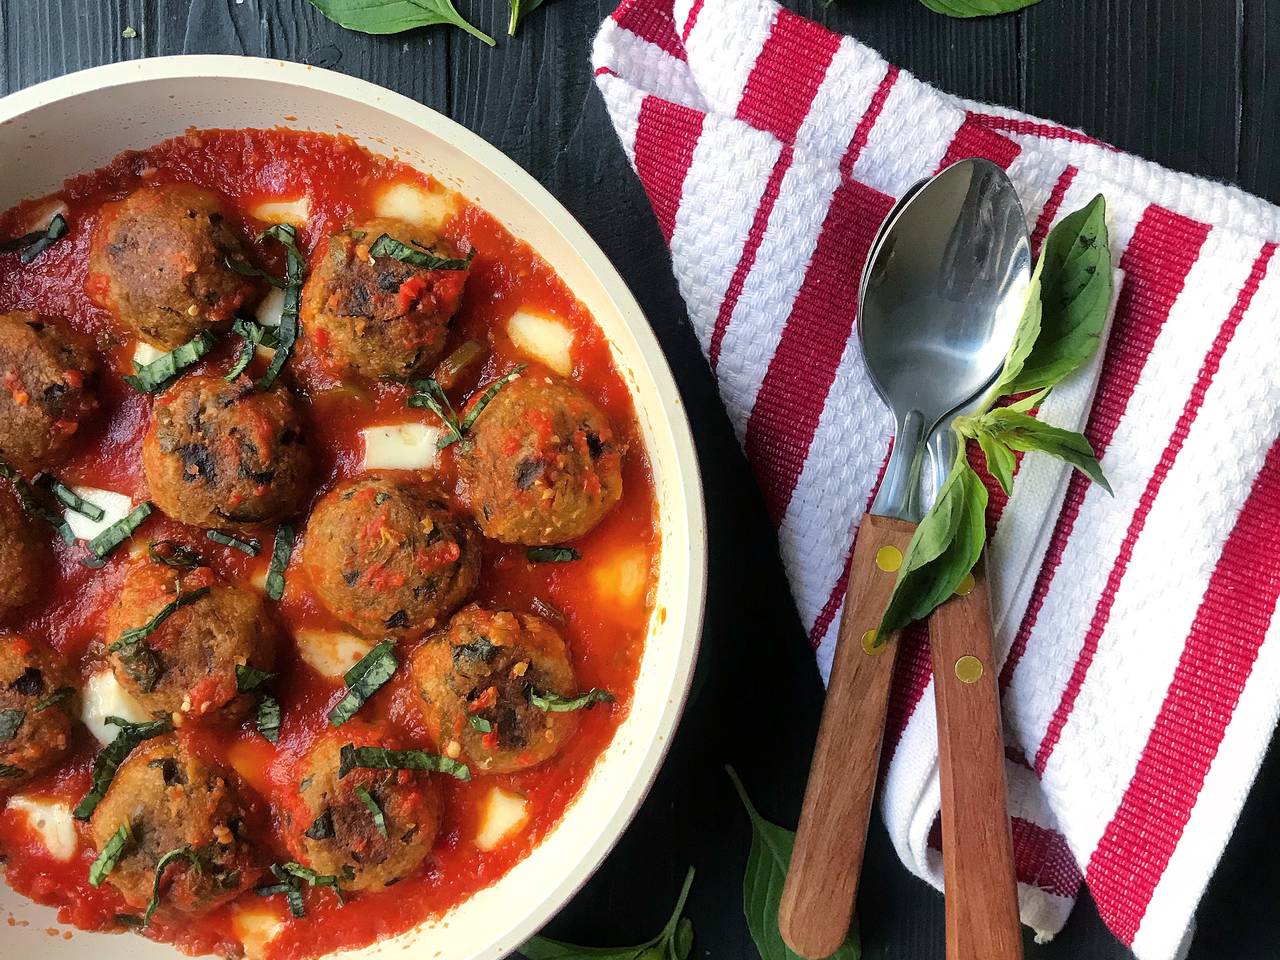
(295, 270)
(247, 269)
(363, 680)
(249, 545)
(249, 679)
(173, 554)
(480, 724)
(138, 634)
(112, 755)
(281, 551)
(110, 854)
(37, 241)
(552, 554)
(250, 336)
(490, 392)
(322, 827)
(58, 696)
(375, 811)
(10, 723)
(267, 719)
(120, 531)
(554, 703)
(181, 853)
(69, 498)
(33, 505)
(417, 256)
(430, 395)
(352, 757)
(160, 372)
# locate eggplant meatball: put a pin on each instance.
(200, 630)
(543, 465)
(20, 555)
(36, 708)
(474, 682)
(46, 373)
(330, 825)
(388, 557)
(219, 452)
(379, 316)
(171, 800)
(158, 263)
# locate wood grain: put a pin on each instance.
(822, 884)
(977, 847)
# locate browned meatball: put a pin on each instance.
(474, 682)
(379, 317)
(388, 557)
(21, 557)
(221, 452)
(173, 800)
(203, 629)
(158, 263)
(46, 372)
(542, 465)
(37, 704)
(330, 828)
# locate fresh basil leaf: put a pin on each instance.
(293, 875)
(173, 554)
(295, 274)
(247, 545)
(32, 504)
(250, 335)
(416, 256)
(481, 648)
(109, 856)
(246, 269)
(395, 16)
(160, 372)
(322, 827)
(351, 757)
(37, 241)
(363, 680)
(250, 679)
(1030, 401)
(428, 394)
(1024, 341)
(268, 717)
(519, 10)
(281, 551)
(120, 531)
(767, 865)
(478, 407)
(1025, 433)
(375, 811)
(171, 857)
(138, 634)
(942, 550)
(976, 8)
(1001, 462)
(552, 554)
(58, 696)
(10, 724)
(69, 498)
(554, 703)
(109, 758)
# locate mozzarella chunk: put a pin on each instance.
(52, 821)
(283, 211)
(413, 204)
(145, 353)
(271, 307)
(544, 338)
(622, 579)
(401, 446)
(255, 926)
(105, 697)
(115, 506)
(503, 815)
(330, 653)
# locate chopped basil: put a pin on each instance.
(246, 269)
(281, 551)
(249, 545)
(322, 827)
(120, 531)
(59, 695)
(109, 856)
(289, 880)
(37, 241)
(9, 771)
(112, 755)
(417, 255)
(10, 723)
(375, 811)
(250, 678)
(352, 757)
(554, 703)
(480, 724)
(552, 554)
(363, 680)
(173, 554)
(138, 634)
(170, 857)
(33, 505)
(70, 498)
(250, 336)
(267, 719)
(490, 392)
(156, 375)
(481, 648)
(295, 267)
(128, 920)
(430, 395)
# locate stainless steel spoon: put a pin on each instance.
(940, 300)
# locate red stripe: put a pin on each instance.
(786, 75)
(1190, 410)
(755, 235)
(973, 139)
(1164, 247)
(666, 134)
(1042, 859)
(1216, 662)
(693, 19)
(605, 72)
(794, 390)
(862, 133)
(1049, 131)
(652, 22)
(1050, 211)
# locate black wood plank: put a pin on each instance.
(1259, 167)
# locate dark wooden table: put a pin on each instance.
(1194, 84)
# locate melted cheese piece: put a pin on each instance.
(330, 653)
(52, 822)
(105, 697)
(115, 506)
(503, 815)
(145, 353)
(283, 211)
(271, 307)
(623, 578)
(544, 338)
(401, 446)
(413, 204)
(255, 925)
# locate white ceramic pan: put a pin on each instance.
(78, 122)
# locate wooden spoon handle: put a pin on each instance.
(822, 882)
(977, 847)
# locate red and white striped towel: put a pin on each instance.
(1139, 689)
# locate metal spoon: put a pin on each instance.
(941, 298)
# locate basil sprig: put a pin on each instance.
(110, 855)
(519, 10)
(294, 274)
(281, 551)
(160, 372)
(416, 255)
(37, 241)
(395, 16)
(363, 680)
(351, 757)
(554, 703)
(112, 755)
(673, 942)
(1060, 330)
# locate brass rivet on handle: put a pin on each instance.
(872, 644)
(889, 559)
(969, 669)
(966, 586)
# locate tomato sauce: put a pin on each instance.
(602, 602)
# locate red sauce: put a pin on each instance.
(606, 636)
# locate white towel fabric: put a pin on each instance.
(1141, 674)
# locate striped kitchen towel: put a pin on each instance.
(1140, 689)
